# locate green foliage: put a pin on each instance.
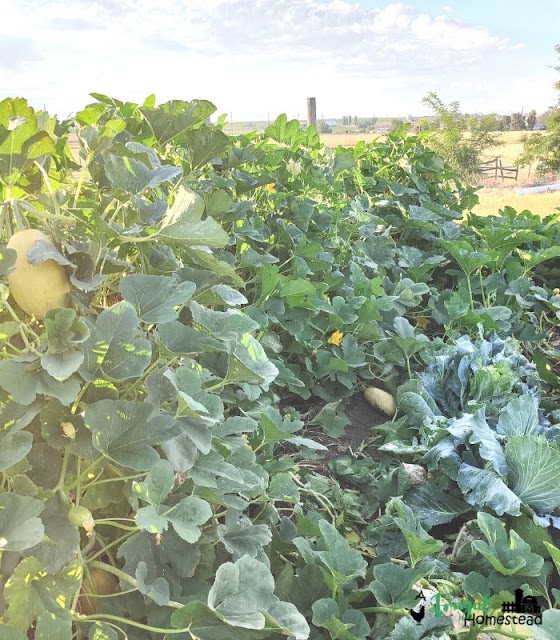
(544, 148)
(174, 425)
(459, 139)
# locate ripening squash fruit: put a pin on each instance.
(381, 400)
(99, 583)
(36, 288)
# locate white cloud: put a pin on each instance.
(248, 56)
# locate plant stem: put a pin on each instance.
(106, 548)
(401, 612)
(86, 472)
(469, 286)
(484, 299)
(126, 578)
(79, 397)
(132, 623)
(111, 523)
(60, 483)
(120, 479)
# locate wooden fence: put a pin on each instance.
(495, 168)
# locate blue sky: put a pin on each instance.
(257, 58)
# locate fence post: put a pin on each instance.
(311, 112)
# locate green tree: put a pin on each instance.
(461, 140)
(517, 122)
(544, 148)
(506, 123)
(531, 119)
(396, 123)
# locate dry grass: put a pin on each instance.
(495, 195)
(494, 199)
(347, 139)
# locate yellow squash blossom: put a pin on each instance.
(336, 338)
(270, 188)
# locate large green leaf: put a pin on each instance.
(339, 562)
(32, 594)
(352, 625)
(434, 506)
(508, 557)
(7, 260)
(158, 590)
(550, 625)
(187, 517)
(61, 539)
(242, 594)
(158, 485)
(534, 471)
(224, 325)
(520, 417)
(242, 537)
(420, 543)
(64, 332)
(126, 431)
(20, 528)
(484, 487)
(174, 117)
(155, 297)
(133, 176)
(114, 349)
(205, 144)
(25, 383)
(207, 624)
(15, 444)
(393, 583)
(248, 362)
(183, 222)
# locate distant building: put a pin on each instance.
(331, 123)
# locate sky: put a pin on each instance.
(255, 59)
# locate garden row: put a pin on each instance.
(227, 298)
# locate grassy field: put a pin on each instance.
(494, 199)
(496, 194)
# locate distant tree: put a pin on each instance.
(506, 123)
(544, 148)
(396, 123)
(459, 139)
(531, 119)
(324, 127)
(517, 122)
(544, 117)
(428, 124)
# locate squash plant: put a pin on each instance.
(125, 464)
(209, 302)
